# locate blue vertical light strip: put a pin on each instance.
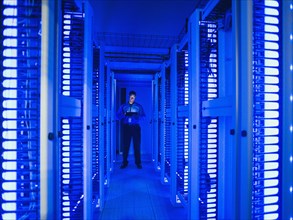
(101, 125)
(167, 134)
(182, 126)
(208, 192)
(160, 121)
(71, 158)
(95, 128)
(267, 113)
(20, 109)
(287, 108)
(109, 125)
(104, 86)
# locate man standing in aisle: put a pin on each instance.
(131, 114)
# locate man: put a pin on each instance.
(131, 114)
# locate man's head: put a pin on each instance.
(132, 95)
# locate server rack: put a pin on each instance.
(267, 114)
(72, 79)
(181, 151)
(155, 121)
(208, 161)
(102, 128)
(20, 109)
(112, 97)
(161, 122)
(166, 131)
(209, 112)
(95, 130)
(108, 86)
(161, 101)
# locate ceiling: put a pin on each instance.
(140, 23)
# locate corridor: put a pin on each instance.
(138, 194)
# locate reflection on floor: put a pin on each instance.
(136, 194)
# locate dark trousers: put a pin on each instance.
(132, 132)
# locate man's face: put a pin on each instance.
(132, 98)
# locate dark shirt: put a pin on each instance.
(130, 113)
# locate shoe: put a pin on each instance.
(123, 165)
(139, 166)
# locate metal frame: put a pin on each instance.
(173, 182)
(287, 149)
(155, 120)
(242, 34)
(194, 119)
(49, 109)
(225, 111)
(113, 120)
(87, 116)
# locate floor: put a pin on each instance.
(136, 194)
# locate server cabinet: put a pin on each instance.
(211, 106)
(155, 121)
(179, 129)
(71, 123)
(161, 127)
(20, 109)
(107, 104)
(102, 127)
(208, 161)
(165, 131)
(204, 68)
(113, 145)
(258, 66)
(96, 184)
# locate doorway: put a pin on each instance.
(143, 88)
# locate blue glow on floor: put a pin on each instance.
(136, 194)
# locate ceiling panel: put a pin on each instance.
(140, 23)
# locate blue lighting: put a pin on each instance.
(217, 160)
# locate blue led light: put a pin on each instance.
(291, 159)
(266, 110)
(291, 189)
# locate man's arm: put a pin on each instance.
(141, 112)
